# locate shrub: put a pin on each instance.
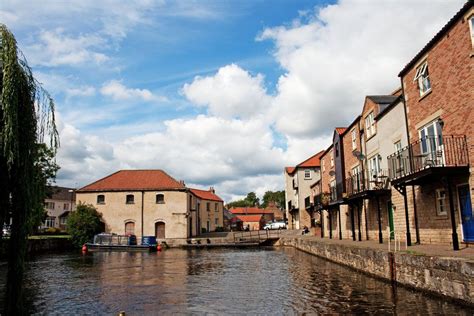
(219, 229)
(83, 224)
(203, 230)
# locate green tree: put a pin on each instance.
(252, 199)
(26, 117)
(83, 224)
(278, 197)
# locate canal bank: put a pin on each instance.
(451, 277)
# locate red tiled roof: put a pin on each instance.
(249, 210)
(290, 170)
(133, 180)
(250, 218)
(340, 130)
(313, 161)
(206, 195)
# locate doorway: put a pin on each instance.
(466, 212)
(160, 230)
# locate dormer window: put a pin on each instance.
(423, 78)
(160, 199)
(100, 199)
(130, 199)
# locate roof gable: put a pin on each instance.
(135, 180)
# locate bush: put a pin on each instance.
(203, 230)
(52, 230)
(219, 229)
(83, 224)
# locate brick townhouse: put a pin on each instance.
(298, 182)
(438, 163)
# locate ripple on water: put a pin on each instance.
(219, 281)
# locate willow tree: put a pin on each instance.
(26, 121)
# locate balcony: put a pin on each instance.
(427, 158)
(367, 183)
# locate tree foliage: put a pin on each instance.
(83, 224)
(251, 200)
(278, 197)
(26, 119)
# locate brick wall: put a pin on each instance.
(450, 65)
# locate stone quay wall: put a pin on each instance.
(452, 278)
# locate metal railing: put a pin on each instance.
(367, 180)
(428, 152)
(255, 236)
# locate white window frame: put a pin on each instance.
(398, 146)
(432, 154)
(422, 77)
(441, 202)
(370, 127)
(354, 139)
(50, 221)
(375, 163)
(307, 174)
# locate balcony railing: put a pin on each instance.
(429, 152)
(367, 180)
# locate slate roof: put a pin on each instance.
(206, 195)
(468, 5)
(382, 99)
(135, 180)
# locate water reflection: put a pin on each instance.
(268, 281)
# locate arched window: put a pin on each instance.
(160, 199)
(130, 199)
(129, 228)
(100, 199)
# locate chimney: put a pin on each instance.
(182, 182)
(211, 189)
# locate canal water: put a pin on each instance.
(273, 281)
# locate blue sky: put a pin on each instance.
(221, 93)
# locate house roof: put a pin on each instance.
(135, 180)
(249, 210)
(61, 193)
(468, 5)
(313, 161)
(382, 99)
(388, 107)
(250, 218)
(340, 130)
(206, 195)
(290, 170)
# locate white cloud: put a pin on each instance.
(55, 48)
(231, 92)
(342, 52)
(117, 91)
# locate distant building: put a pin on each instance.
(152, 203)
(252, 222)
(267, 215)
(58, 205)
(298, 182)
